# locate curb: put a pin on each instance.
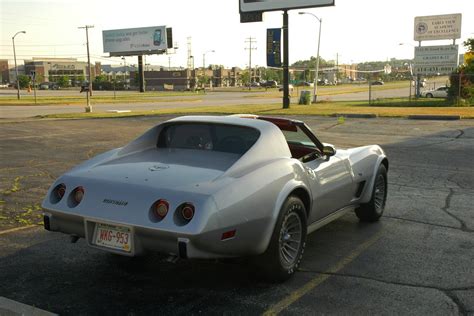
(355, 115)
(435, 117)
(13, 308)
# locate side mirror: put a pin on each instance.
(329, 150)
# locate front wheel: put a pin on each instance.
(429, 95)
(287, 243)
(373, 210)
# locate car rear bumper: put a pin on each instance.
(247, 238)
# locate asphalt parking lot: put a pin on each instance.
(417, 260)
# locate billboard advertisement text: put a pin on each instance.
(143, 39)
(437, 27)
(274, 47)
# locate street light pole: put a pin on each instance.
(315, 91)
(16, 67)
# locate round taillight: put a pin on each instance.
(161, 209)
(58, 193)
(78, 194)
(187, 211)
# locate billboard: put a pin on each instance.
(437, 27)
(273, 5)
(136, 41)
(274, 47)
(442, 59)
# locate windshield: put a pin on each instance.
(209, 137)
(298, 137)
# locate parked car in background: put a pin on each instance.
(304, 84)
(269, 84)
(378, 83)
(48, 86)
(323, 82)
(84, 87)
(441, 92)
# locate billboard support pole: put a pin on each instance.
(286, 77)
(418, 79)
(141, 74)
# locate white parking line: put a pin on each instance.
(10, 307)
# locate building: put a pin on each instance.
(51, 69)
(348, 71)
(177, 80)
(185, 79)
(7, 71)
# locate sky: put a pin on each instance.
(352, 30)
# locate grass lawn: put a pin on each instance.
(385, 108)
(328, 90)
(120, 97)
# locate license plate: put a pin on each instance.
(114, 237)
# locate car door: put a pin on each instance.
(330, 177)
(332, 186)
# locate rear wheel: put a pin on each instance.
(287, 243)
(429, 95)
(373, 210)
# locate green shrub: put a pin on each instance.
(305, 97)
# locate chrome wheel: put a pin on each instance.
(379, 193)
(290, 239)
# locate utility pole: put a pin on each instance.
(190, 54)
(251, 40)
(286, 61)
(89, 93)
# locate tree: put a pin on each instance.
(462, 80)
(273, 74)
(469, 44)
(63, 81)
(39, 78)
(24, 81)
(204, 80)
(81, 78)
(245, 77)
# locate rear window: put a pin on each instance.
(210, 137)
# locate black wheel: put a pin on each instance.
(429, 95)
(373, 210)
(287, 243)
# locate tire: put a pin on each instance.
(429, 95)
(373, 210)
(283, 255)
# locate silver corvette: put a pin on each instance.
(218, 187)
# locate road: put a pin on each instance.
(215, 98)
(417, 260)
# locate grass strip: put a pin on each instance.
(321, 109)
